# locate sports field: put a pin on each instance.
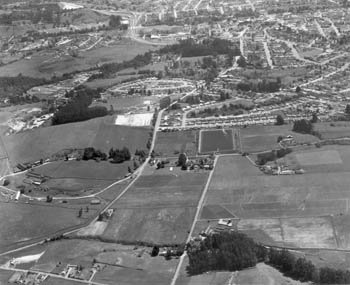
(216, 140)
(159, 208)
(173, 143)
(100, 133)
(291, 210)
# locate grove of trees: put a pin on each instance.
(231, 251)
(78, 108)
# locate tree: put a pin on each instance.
(314, 118)
(6, 182)
(241, 62)
(298, 89)
(114, 21)
(347, 109)
(279, 120)
(182, 160)
(80, 213)
(303, 126)
(155, 251)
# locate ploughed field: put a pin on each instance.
(306, 211)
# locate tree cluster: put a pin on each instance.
(189, 48)
(92, 153)
(119, 155)
(231, 251)
(303, 126)
(227, 251)
(78, 108)
(261, 87)
(263, 158)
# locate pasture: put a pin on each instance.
(216, 140)
(99, 133)
(21, 222)
(172, 143)
(158, 208)
(292, 210)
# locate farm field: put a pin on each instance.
(217, 140)
(291, 210)
(37, 67)
(261, 138)
(158, 208)
(119, 264)
(99, 133)
(172, 143)
(334, 130)
(21, 222)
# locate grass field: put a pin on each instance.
(216, 140)
(37, 67)
(261, 138)
(20, 222)
(99, 133)
(294, 210)
(333, 130)
(158, 208)
(173, 143)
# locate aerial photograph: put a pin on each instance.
(174, 142)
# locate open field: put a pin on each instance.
(291, 210)
(99, 133)
(260, 138)
(158, 208)
(216, 140)
(37, 67)
(119, 264)
(173, 143)
(333, 130)
(131, 103)
(135, 120)
(72, 178)
(20, 222)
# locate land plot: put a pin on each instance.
(333, 130)
(168, 225)
(309, 232)
(21, 222)
(157, 209)
(173, 143)
(98, 133)
(216, 140)
(319, 157)
(261, 138)
(164, 190)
